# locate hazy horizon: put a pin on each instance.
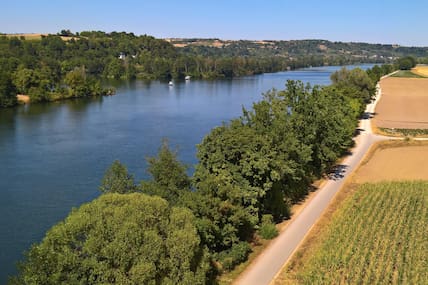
(382, 21)
(209, 38)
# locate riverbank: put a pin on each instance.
(26, 99)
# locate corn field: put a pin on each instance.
(378, 236)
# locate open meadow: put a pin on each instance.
(403, 103)
(373, 233)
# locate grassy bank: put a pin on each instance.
(403, 132)
(407, 74)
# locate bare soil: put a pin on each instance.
(403, 104)
(23, 98)
(395, 163)
(37, 36)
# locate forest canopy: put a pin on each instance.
(71, 65)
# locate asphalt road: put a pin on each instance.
(266, 266)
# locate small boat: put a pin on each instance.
(170, 83)
(187, 78)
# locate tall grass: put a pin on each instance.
(407, 74)
(405, 132)
(378, 236)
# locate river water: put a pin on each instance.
(53, 156)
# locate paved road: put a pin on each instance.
(265, 267)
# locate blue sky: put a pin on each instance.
(376, 21)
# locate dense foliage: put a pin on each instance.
(406, 63)
(117, 179)
(71, 65)
(250, 171)
(47, 69)
(321, 51)
(370, 241)
(120, 239)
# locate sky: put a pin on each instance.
(400, 22)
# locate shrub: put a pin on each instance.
(237, 254)
(267, 229)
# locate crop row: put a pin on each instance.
(378, 236)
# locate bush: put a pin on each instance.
(234, 256)
(267, 228)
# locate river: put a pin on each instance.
(53, 156)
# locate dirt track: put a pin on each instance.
(403, 104)
(396, 163)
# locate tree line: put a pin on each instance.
(181, 229)
(71, 65)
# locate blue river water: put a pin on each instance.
(53, 156)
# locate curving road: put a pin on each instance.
(266, 266)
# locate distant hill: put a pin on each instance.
(364, 52)
(50, 67)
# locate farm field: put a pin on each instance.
(421, 70)
(395, 163)
(377, 236)
(403, 103)
(375, 230)
(36, 36)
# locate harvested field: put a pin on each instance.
(421, 70)
(34, 36)
(37, 36)
(395, 163)
(406, 74)
(403, 104)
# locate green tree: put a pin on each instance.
(354, 83)
(66, 33)
(324, 119)
(114, 69)
(76, 81)
(406, 63)
(169, 175)
(24, 79)
(7, 90)
(117, 179)
(119, 239)
(221, 219)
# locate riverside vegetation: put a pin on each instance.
(67, 65)
(176, 229)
